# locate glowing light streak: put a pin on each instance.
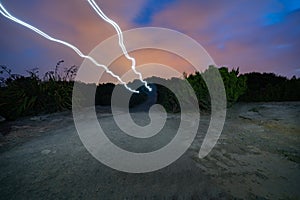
(6, 14)
(121, 40)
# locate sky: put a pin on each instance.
(253, 35)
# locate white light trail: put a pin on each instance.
(121, 41)
(6, 14)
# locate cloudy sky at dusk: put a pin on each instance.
(253, 35)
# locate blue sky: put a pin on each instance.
(253, 35)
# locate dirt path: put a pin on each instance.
(257, 157)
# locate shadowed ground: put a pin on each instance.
(257, 156)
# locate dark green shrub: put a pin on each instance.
(234, 84)
(270, 87)
(20, 95)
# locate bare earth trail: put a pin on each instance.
(257, 157)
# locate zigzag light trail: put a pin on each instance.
(121, 41)
(6, 14)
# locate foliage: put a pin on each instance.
(270, 87)
(20, 95)
(167, 99)
(28, 95)
(235, 86)
(104, 93)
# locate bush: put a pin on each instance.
(235, 86)
(20, 95)
(270, 87)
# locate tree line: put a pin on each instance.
(270, 87)
(30, 95)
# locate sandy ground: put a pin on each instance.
(257, 157)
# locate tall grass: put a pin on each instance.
(27, 95)
(32, 94)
